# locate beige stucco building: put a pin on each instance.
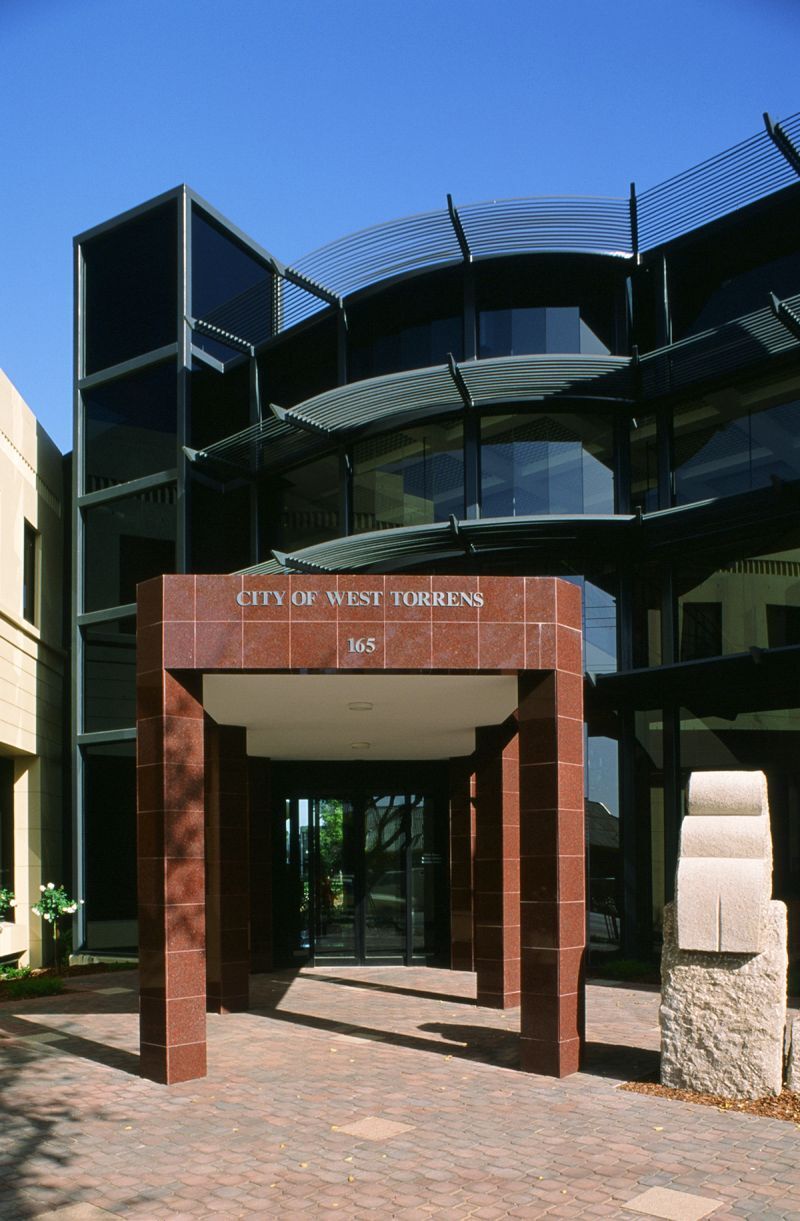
(32, 668)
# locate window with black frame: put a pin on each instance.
(558, 463)
(736, 440)
(409, 478)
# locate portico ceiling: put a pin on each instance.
(359, 716)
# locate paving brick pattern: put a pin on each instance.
(455, 1131)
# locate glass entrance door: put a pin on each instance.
(386, 906)
(334, 871)
(359, 878)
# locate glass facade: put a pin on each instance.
(109, 659)
(130, 427)
(301, 506)
(725, 444)
(753, 602)
(546, 464)
(131, 289)
(409, 478)
(128, 540)
(517, 332)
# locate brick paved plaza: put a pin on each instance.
(367, 1093)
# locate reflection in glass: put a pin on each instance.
(648, 761)
(385, 846)
(109, 667)
(127, 541)
(518, 332)
(130, 427)
(726, 444)
(230, 286)
(644, 464)
(131, 288)
(411, 347)
(602, 840)
(732, 608)
(543, 464)
(300, 506)
(409, 478)
(335, 878)
(767, 741)
(109, 776)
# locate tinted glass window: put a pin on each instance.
(109, 667)
(644, 463)
(725, 444)
(128, 541)
(131, 288)
(300, 366)
(301, 506)
(517, 332)
(729, 607)
(221, 530)
(408, 326)
(766, 740)
(409, 478)
(220, 403)
(230, 287)
(539, 464)
(130, 427)
(410, 347)
(551, 303)
(731, 271)
(109, 773)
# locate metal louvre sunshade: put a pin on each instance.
(385, 250)
(420, 393)
(394, 550)
(739, 176)
(723, 349)
(513, 226)
(518, 378)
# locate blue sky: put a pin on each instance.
(305, 120)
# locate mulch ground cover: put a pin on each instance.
(782, 1106)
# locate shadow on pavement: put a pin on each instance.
(370, 985)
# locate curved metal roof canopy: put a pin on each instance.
(402, 548)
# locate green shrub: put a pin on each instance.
(37, 985)
(11, 972)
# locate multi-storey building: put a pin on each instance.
(602, 389)
(33, 671)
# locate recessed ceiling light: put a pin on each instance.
(360, 706)
(359, 745)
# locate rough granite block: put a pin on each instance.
(723, 1015)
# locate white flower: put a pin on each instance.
(80, 900)
(42, 887)
(71, 909)
(36, 911)
(12, 903)
(49, 919)
(51, 885)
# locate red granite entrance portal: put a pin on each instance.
(516, 810)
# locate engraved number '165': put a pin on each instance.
(363, 644)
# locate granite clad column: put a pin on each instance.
(462, 855)
(170, 806)
(261, 957)
(552, 844)
(227, 869)
(497, 932)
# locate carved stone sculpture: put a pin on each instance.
(723, 969)
(724, 864)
